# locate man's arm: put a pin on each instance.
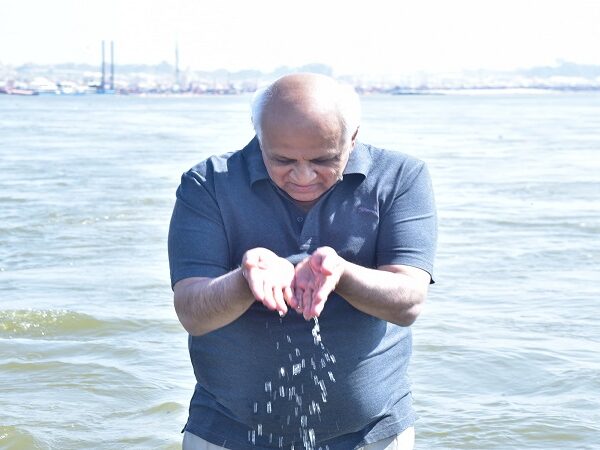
(206, 304)
(394, 293)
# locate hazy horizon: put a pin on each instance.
(383, 38)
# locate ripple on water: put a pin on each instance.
(163, 409)
(505, 426)
(12, 437)
(61, 323)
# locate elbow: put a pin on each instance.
(191, 329)
(412, 287)
(186, 323)
(190, 325)
(185, 304)
(408, 316)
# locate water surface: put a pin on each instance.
(92, 355)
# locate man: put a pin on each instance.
(306, 218)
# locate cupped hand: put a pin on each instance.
(270, 278)
(316, 277)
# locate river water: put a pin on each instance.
(92, 355)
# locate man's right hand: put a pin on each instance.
(270, 278)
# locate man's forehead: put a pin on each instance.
(302, 152)
(304, 109)
(319, 133)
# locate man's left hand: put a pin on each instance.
(316, 277)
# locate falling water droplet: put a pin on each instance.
(296, 368)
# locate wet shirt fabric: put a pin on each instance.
(267, 382)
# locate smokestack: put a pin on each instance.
(177, 63)
(112, 66)
(103, 70)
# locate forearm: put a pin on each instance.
(389, 295)
(206, 304)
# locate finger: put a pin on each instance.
(298, 294)
(268, 299)
(328, 265)
(288, 296)
(322, 293)
(256, 284)
(318, 306)
(316, 262)
(279, 301)
(307, 304)
(319, 298)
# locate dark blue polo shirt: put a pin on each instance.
(267, 382)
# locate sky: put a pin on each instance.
(353, 37)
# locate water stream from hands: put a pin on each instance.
(288, 394)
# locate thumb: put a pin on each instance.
(316, 262)
(329, 263)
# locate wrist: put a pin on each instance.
(244, 272)
(347, 275)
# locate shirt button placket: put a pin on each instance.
(307, 235)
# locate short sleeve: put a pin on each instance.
(408, 229)
(197, 241)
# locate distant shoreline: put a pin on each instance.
(471, 91)
(168, 79)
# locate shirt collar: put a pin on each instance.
(256, 166)
(358, 161)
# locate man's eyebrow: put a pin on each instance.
(327, 158)
(281, 158)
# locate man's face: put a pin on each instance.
(304, 158)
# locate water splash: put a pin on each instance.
(290, 394)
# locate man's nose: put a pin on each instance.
(303, 174)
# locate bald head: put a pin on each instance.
(308, 101)
(306, 125)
